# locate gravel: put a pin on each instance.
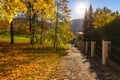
(76, 66)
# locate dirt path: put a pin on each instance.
(75, 66)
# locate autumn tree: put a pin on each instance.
(20, 26)
(9, 9)
(38, 10)
(62, 15)
(103, 16)
(4, 26)
(64, 32)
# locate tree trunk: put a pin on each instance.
(41, 33)
(33, 35)
(31, 30)
(30, 25)
(56, 26)
(12, 33)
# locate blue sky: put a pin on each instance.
(78, 6)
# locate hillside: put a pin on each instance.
(76, 25)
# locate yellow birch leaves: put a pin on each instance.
(45, 8)
(10, 8)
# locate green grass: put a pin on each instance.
(21, 39)
(17, 38)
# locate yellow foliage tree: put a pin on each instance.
(9, 9)
(38, 9)
(102, 17)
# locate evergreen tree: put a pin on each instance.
(85, 22)
(90, 17)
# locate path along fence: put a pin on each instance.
(107, 52)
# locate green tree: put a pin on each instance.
(64, 34)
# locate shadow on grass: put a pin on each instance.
(39, 50)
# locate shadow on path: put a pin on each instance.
(77, 66)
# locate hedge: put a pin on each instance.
(110, 32)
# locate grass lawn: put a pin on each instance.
(25, 62)
(17, 38)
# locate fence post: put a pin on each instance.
(92, 48)
(83, 45)
(86, 47)
(109, 49)
(104, 51)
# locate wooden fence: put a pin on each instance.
(107, 53)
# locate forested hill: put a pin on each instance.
(76, 25)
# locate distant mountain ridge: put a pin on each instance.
(76, 25)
